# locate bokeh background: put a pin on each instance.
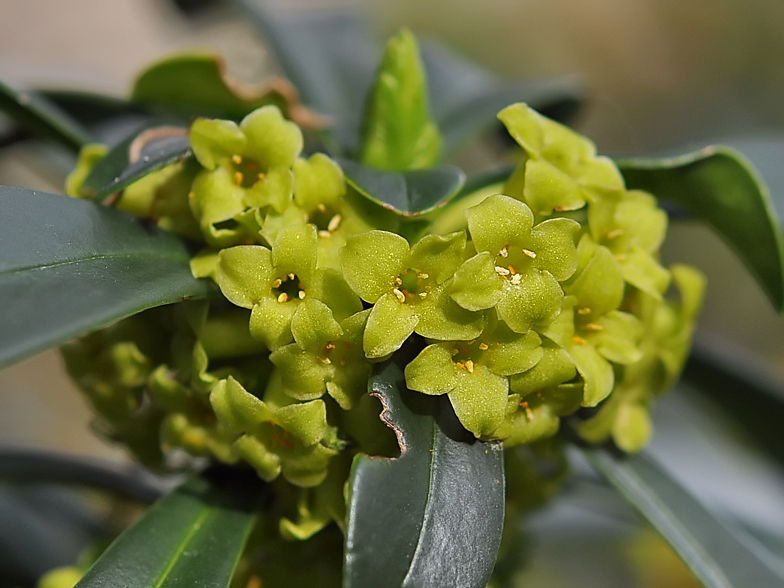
(660, 76)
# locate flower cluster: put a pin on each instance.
(548, 298)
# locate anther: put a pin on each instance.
(322, 207)
(455, 352)
(578, 340)
(593, 327)
(483, 346)
(583, 310)
(614, 234)
(423, 276)
(504, 252)
(620, 257)
(277, 283)
(237, 159)
(238, 178)
(324, 234)
(301, 294)
(511, 269)
(400, 296)
(398, 282)
(469, 366)
(502, 271)
(516, 279)
(283, 297)
(324, 360)
(292, 275)
(334, 223)
(529, 253)
(329, 346)
(423, 295)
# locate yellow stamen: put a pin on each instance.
(292, 275)
(578, 340)
(512, 269)
(334, 223)
(593, 327)
(324, 234)
(483, 346)
(238, 178)
(237, 159)
(322, 208)
(504, 252)
(400, 296)
(614, 234)
(423, 295)
(398, 282)
(529, 253)
(501, 271)
(330, 346)
(423, 276)
(469, 366)
(283, 297)
(277, 283)
(455, 352)
(324, 360)
(301, 294)
(583, 310)
(516, 279)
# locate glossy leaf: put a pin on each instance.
(39, 115)
(718, 186)
(141, 153)
(70, 266)
(716, 555)
(397, 132)
(465, 98)
(410, 193)
(192, 537)
(433, 516)
(196, 84)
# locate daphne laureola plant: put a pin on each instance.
(520, 311)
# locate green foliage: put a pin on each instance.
(193, 536)
(444, 495)
(477, 312)
(37, 114)
(716, 554)
(70, 267)
(717, 185)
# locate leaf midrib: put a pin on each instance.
(195, 528)
(94, 258)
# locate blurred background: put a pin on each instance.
(660, 76)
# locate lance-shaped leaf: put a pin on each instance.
(718, 186)
(70, 266)
(192, 537)
(139, 154)
(397, 131)
(410, 193)
(433, 516)
(196, 84)
(718, 557)
(39, 115)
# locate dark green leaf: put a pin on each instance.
(466, 98)
(70, 266)
(192, 537)
(195, 84)
(410, 193)
(40, 116)
(397, 132)
(328, 56)
(142, 153)
(718, 557)
(42, 466)
(744, 384)
(718, 186)
(433, 516)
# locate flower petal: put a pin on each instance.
(498, 221)
(272, 140)
(270, 321)
(245, 273)
(294, 251)
(479, 399)
(476, 285)
(214, 141)
(371, 261)
(432, 371)
(438, 256)
(535, 301)
(442, 318)
(390, 323)
(313, 325)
